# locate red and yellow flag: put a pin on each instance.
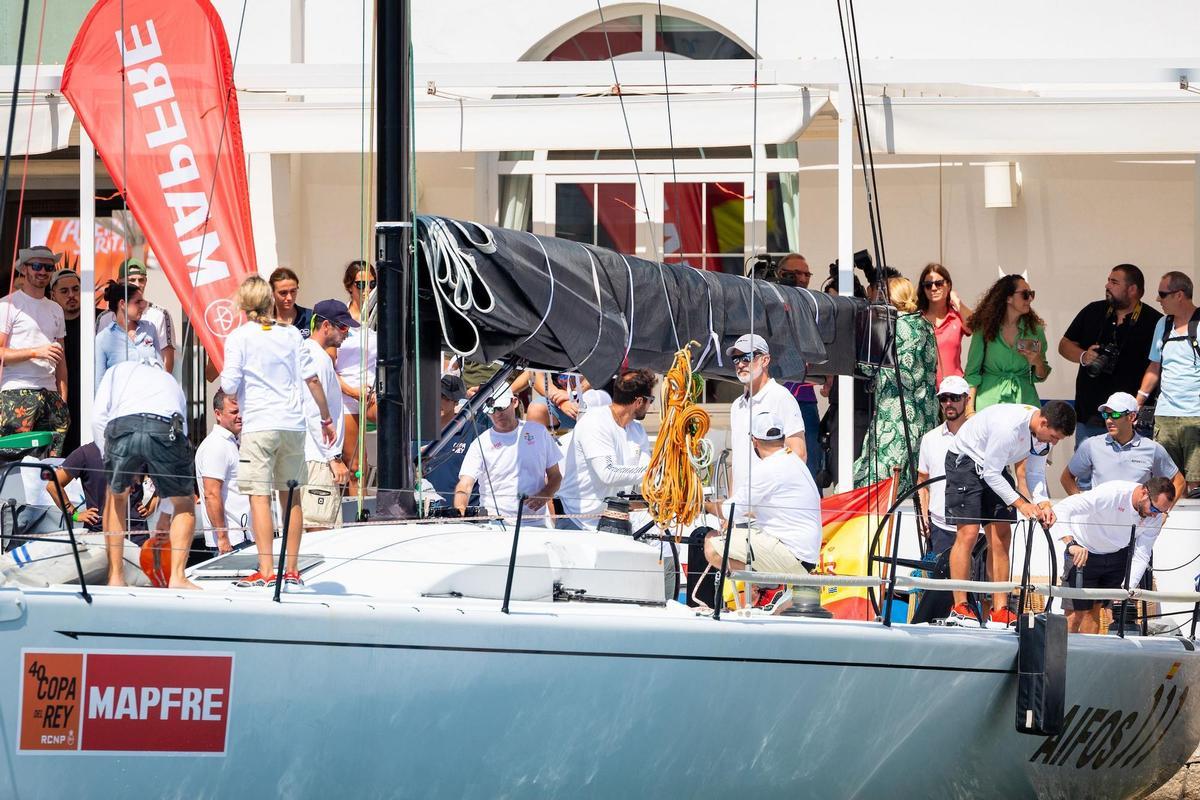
(848, 522)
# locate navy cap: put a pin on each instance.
(452, 388)
(336, 312)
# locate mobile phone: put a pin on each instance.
(1029, 345)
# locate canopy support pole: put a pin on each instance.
(845, 281)
(87, 281)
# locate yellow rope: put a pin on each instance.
(673, 487)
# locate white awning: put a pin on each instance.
(560, 123)
(1034, 125)
(43, 123)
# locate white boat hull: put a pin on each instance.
(346, 697)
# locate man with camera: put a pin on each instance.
(1110, 340)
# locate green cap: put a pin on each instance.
(131, 266)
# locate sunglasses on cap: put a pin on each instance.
(951, 398)
(934, 284)
(745, 358)
(1115, 414)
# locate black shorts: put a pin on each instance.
(969, 500)
(1102, 571)
(941, 539)
(135, 445)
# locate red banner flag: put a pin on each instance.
(171, 139)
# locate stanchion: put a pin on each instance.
(512, 558)
(720, 591)
(287, 523)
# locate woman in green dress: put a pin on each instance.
(917, 359)
(1008, 349)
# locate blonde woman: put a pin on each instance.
(267, 368)
(916, 364)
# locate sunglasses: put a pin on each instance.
(1115, 414)
(365, 284)
(1028, 294)
(40, 266)
(796, 272)
(1163, 295)
(935, 284)
(951, 398)
(745, 358)
(1155, 510)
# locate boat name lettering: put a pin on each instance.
(1112, 738)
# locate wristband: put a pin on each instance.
(75, 515)
(1081, 355)
(328, 421)
(1142, 394)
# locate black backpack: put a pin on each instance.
(1193, 325)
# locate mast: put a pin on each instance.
(402, 370)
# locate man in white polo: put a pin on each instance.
(1098, 528)
(785, 536)
(321, 499)
(751, 360)
(952, 396)
(609, 449)
(512, 458)
(224, 511)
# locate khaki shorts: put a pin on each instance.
(269, 459)
(770, 554)
(1180, 437)
(321, 498)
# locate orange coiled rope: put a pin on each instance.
(673, 485)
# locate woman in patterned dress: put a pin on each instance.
(917, 359)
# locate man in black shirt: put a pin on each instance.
(64, 290)
(1110, 340)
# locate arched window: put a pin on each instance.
(643, 35)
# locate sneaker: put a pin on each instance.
(1002, 617)
(255, 581)
(962, 615)
(292, 579)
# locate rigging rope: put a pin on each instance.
(673, 485)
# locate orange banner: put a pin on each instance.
(170, 136)
(848, 523)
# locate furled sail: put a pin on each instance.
(570, 306)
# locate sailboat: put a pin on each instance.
(436, 658)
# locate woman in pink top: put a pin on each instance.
(941, 306)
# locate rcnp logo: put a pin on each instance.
(222, 317)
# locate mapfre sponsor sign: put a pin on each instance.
(75, 701)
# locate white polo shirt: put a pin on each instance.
(773, 398)
(932, 462)
(603, 459)
(1102, 520)
(217, 458)
(786, 503)
(998, 437)
(265, 369)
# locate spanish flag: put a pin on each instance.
(849, 521)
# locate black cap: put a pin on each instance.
(453, 388)
(336, 312)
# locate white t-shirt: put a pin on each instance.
(603, 458)
(315, 448)
(350, 366)
(30, 322)
(265, 368)
(508, 465)
(786, 503)
(217, 457)
(1101, 519)
(932, 461)
(772, 397)
(156, 316)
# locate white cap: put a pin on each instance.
(1120, 401)
(595, 398)
(766, 427)
(749, 343)
(954, 384)
(501, 398)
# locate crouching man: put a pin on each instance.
(138, 424)
(1099, 527)
(785, 536)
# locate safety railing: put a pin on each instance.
(47, 473)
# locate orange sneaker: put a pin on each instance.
(1003, 616)
(255, 580)
(962, 615)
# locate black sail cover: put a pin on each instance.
(568, 306)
